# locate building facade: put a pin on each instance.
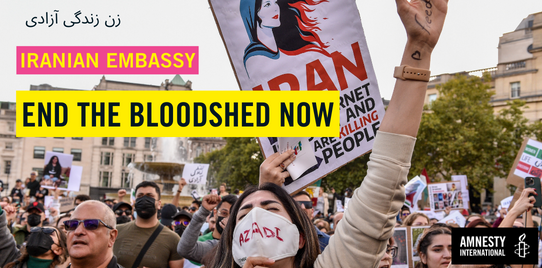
(105, 160)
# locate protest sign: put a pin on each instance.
(304, 155)
(307, 46)
(454, 217)
(401, 242)
(413, 191)
(505, 203)
(528, 163)
(446, 194)
(195, 173)
(433, 215)
(464, 186)
(66, 203)
(56, 170)
(414, 234)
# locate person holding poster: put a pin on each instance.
(361, 239)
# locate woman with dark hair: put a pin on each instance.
(268, 199)
(51, 257)
(45, 247)
(267, 228)
(284, 26)
(52, 169)
(435, 247)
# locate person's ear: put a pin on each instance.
(57, 251)
(158, 204)
(112, 237)
(301, 241)
(423, 258)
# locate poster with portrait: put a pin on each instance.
(528, 163)
(446, 194)
(57, 170)
(306, 45)
(400, 238)
(415, 234)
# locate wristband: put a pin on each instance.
(405, 72)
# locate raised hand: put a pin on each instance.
(182, 183)
(423, 21)
(210, 201)
(273, 169)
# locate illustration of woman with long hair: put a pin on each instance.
(275, 26)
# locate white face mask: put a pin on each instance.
(264, 234)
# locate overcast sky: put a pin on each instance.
(469, 40)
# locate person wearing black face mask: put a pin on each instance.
(123, 212)
(129, 246)
(193, 248)
(46, 247)
(34, 218)
(180, 222)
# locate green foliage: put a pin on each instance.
(350, 175)
(461, 135)
(237, 164)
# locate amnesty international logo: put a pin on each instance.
(522, 247)
(494, 246)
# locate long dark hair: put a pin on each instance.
(57, 259)
(50, 164)
(305, 256)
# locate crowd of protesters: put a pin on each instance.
(264, 226)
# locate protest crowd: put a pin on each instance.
(264, 226)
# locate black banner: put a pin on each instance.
(495, 246)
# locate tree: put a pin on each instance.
(237, 164)
(461, 135)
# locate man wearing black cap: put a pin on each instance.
(181, 221)
(168, 211)
(123, 212)
(35, 217)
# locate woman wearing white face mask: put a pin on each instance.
(268, 229)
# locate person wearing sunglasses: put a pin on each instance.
(180, 222)
(305, 202)
(123, 212)
(405, 212)
(195, 206)
(146, 228)
(91, 235)
(45, 247)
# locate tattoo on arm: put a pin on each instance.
(417, 55)
(416, 19)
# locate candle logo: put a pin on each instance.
(522, 247)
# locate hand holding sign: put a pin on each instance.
(273, 169)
